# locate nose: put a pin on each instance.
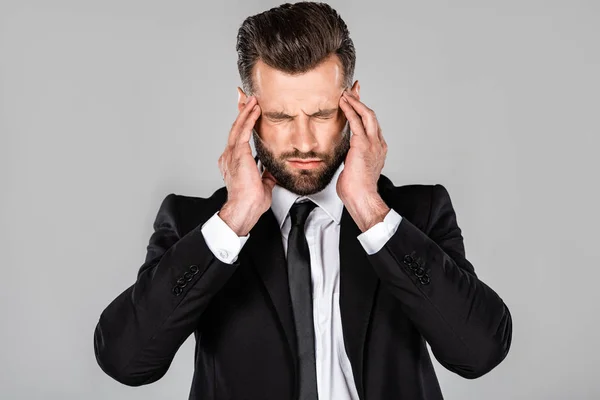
(303, 138)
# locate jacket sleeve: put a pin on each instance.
(466, 323)
(139, 332)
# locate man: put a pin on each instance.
(309, 274)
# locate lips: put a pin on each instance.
(304, 164)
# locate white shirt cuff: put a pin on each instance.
(224, 243)
(374, 238)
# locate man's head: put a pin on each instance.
(297, 59)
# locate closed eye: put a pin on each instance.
(278, 119)
(321, 114)
(325, 114)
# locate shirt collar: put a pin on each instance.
(327, 199)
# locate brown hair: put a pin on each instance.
(294, 38)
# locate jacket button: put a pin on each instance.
(425, 280)
(177, 290)
(414, 265)
(408, 259)
(187, 276)
(194, 269)
(181, 282)
(420, 272)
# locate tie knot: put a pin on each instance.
(299, 212)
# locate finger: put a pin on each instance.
(367, 115)
(356, 124)
(239, 121)
(224, 161)
(246, 130)
(220, 164)
(380, 135)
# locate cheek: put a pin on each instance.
(273, 136)
(330, 130)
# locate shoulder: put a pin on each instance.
(415, 200)
(413, 191)
(184, 212)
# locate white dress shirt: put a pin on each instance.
(322, 229)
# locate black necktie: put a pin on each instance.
(299, 277)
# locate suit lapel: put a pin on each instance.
(266, 250)
(358, 286)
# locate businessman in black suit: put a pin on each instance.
(309, 222)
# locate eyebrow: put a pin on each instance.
(281, 115)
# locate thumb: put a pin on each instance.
(269, 179)
(267, 174)
(269, 183)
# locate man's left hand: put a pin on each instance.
(357, 183)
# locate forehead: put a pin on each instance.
(277, 90)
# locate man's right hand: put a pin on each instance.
(248, 193)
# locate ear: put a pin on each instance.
(355, 89)
(242, 99)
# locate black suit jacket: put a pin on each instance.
(419, 287)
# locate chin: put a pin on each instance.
(306, 183)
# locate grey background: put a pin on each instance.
(107, 106)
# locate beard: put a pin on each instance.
(304, 181)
